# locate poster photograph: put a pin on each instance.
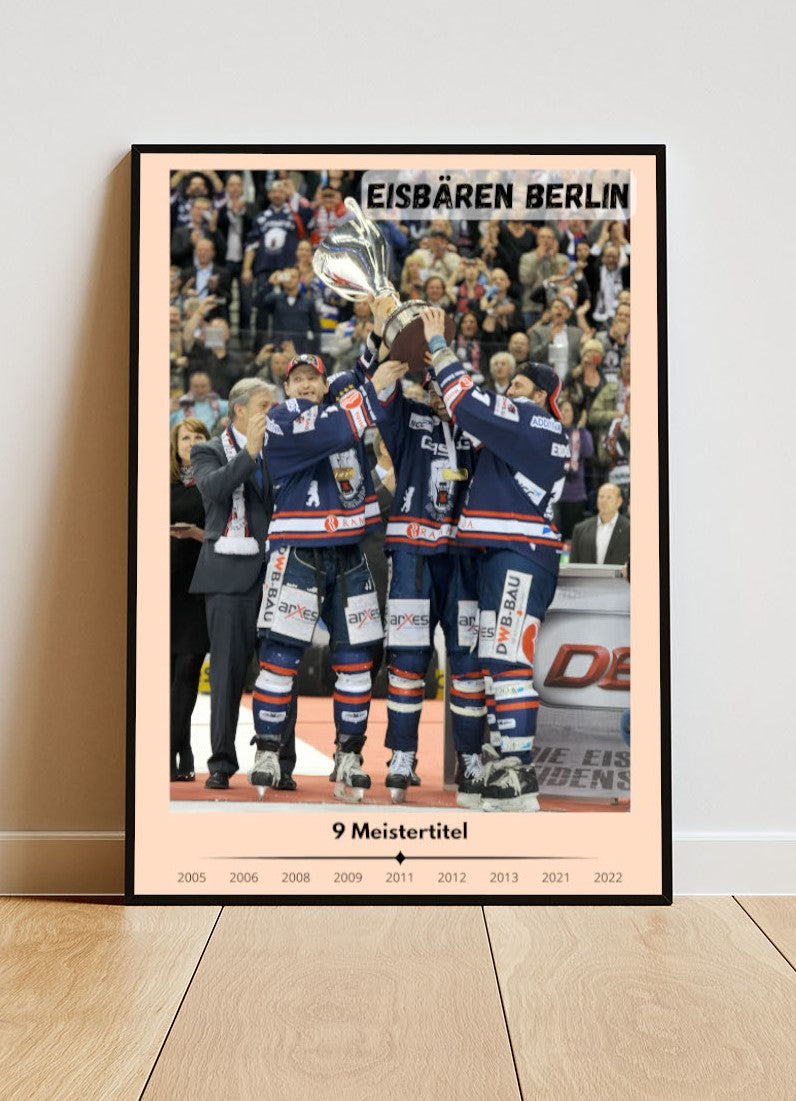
(388, 543)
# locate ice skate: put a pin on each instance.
(265, 772)
(470, 778)
(350, 782)
(399, 774)
(510, 786)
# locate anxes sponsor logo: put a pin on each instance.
(468, 622)
(289, 610)
(608, 669)
(400, 621)
(363, 616)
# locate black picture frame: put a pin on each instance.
(137, 784)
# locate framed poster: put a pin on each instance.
(380, 592)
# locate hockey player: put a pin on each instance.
(508, 513)
(431, 583)
(323, 502)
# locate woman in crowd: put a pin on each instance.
(189, 640)
(572, 502)
(584, 382)
(607, 407)
(412, 276)
(502, 366)
(467, 346)
(468, 286)
(307, 276)
(434, 293)
(513, 240)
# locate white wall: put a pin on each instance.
(82, 82)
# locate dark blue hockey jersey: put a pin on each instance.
(520, 471)
(275, 236)
(434, 464)
(323, 490)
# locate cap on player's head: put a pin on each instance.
(430, 383)
(306, 360)
(546, 379)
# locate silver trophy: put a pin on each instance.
(352, 261)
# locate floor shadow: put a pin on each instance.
(64, 750)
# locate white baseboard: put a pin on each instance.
(51, 862)
(92, 863)
(734, 864)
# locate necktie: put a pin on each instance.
(259, 474)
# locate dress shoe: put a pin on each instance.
(286, 783)
(184, 770)
(217, 780)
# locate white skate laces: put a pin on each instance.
(350, 779)
(401, 774)
(473, 768)
(504, 774)
(266, 770)
(471, 782)
(510, 785)
(402, 763)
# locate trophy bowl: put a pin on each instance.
(352, 261)
(404, 336)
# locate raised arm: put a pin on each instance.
(504, 426)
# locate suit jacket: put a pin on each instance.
(223, 286)
(584, 542)
(182, 246)
(217, 479)
(540, 344)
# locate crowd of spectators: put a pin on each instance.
(244, 298)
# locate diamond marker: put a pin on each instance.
(400, 858)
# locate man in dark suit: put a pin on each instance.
(605, 538)
(185, 239)
(236, 492)
(207, 279)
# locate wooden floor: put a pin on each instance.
(99, 1001)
